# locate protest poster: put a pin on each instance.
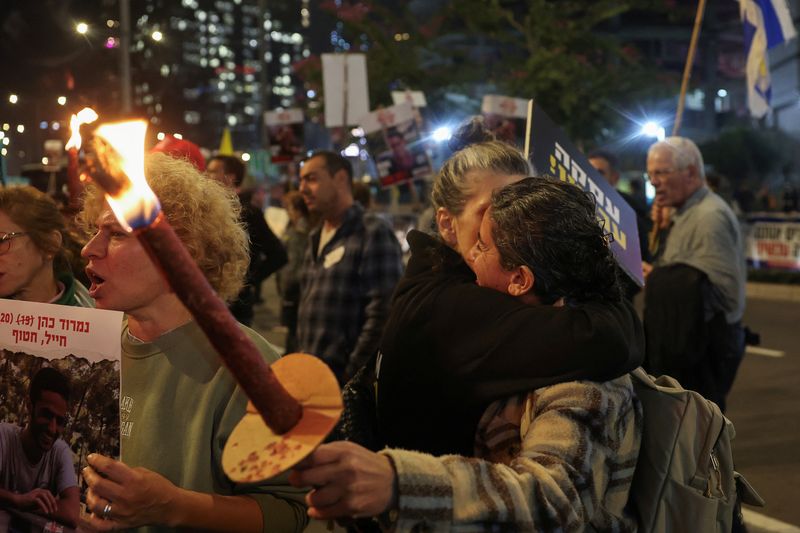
(773, 241)
(285, 134)
(344, 82)
(396, 145)
(551, 152)
(415, 98)
(505, 117)
(80, 344)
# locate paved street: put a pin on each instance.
(764, 406)
(765, 409)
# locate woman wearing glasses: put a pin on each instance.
(35, 254)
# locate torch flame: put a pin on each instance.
(136, 206)
(84, 116)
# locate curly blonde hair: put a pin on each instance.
(204, 214)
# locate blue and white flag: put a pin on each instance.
(767, 23)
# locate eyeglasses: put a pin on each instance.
(658, 174)
(5, 240)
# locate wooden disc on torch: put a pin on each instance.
(254, 452)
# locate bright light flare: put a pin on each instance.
(135, 206)
(652, 129)
(157, 36)
(351, 151)
(82, 28)
(442, 134)
(86, 115)
(245, 157)
(62, 100)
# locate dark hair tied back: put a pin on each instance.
(471, 132)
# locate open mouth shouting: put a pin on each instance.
(96, 280)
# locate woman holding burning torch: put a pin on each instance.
(178, 403)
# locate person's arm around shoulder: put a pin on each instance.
(380, 270)
(483, 332)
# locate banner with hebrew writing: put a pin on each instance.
(551, 152)
(773, 241)
(79, 344)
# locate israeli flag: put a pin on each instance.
(767, 23)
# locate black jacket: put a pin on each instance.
(702, 352)
(450, 348)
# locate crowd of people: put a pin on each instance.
(496, 361)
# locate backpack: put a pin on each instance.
(684, 478)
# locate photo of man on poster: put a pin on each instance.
(37, 473)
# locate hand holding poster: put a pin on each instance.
(550, 151)
(60, 400)
(395, 142)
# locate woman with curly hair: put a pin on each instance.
(37, 250)
(179, 404)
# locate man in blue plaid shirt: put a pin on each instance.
(349, 272)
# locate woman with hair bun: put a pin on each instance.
(36, 250)
(452, 352)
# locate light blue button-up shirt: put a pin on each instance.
(705, 235)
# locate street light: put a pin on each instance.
(12, 98)
(82, 28)
(157, 36)
(652, 129)
(62, 100)
(442, 134)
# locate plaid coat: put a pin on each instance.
(345, 290)
(560, 458)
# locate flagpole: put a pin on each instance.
(687, 69)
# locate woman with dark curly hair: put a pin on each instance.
(37, 250)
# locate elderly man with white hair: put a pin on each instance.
(695, 293)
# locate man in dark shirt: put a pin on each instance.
(267, 254)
